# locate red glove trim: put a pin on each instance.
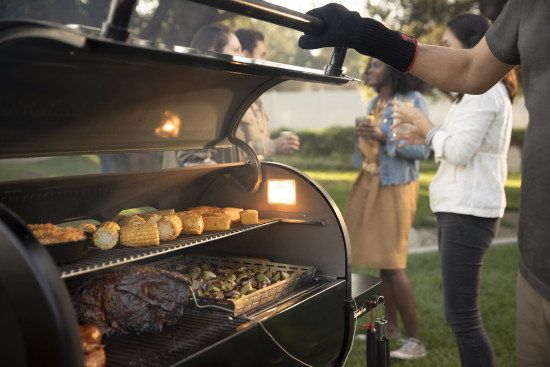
(413, 39)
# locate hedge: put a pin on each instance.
(333, 148)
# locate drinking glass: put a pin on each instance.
(363, 120)
(402, 129)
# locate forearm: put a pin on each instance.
(472, 71)
(422, 122)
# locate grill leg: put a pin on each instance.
(371, 348)
(382, 343)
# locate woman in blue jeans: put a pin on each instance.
(467, 192)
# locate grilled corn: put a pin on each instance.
(87, 227)
(151, 217)
(204, 209)
(132, 220)
(169, 227)
(106, 235)
(192, 223)
(164, 212)
(233, 212)
(139, 235)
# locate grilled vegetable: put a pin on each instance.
(132, 220)
(212, 288)
(164, 212)
(195, 271)
(276, 277)
(215, 295)
(169, 227)
(233, 294)
(139, 235)
(232, 283)
(207, 275)
(106, 235)
(151, 217)
(247, 288)
(216, 222)
(234, 213)
(192, 223)
(249, 216)
(262, 280)
(87, 227)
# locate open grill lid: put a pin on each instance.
(66, 92)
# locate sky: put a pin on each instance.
(304, 5)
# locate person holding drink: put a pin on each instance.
(381, 206)
(467, 192)
(254, 126)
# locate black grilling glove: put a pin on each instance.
(367, 36)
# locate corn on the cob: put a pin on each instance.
(169, 227)
(204, 209)
(216, 222)
(87, 227)
(119, 218)
(132, 220)
(249, 216)
(151, 217)
(233, 212)
(163, 212)
(106, 235)
(191, 223)
(139, 235)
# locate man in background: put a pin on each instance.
(254, 126)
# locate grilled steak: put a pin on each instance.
(131, 300)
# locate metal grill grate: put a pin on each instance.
(194, 331)
(97, 259)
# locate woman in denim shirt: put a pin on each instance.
(382, 203)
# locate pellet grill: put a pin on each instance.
(74, 91)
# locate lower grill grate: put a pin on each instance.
(193, 332)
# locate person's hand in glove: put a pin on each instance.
(344, 28)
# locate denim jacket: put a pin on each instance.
(398, 166)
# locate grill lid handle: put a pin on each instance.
(282, 16)
(117, 25)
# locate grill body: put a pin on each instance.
(68, 93)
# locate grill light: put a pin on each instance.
(170, 126)
(281, 192)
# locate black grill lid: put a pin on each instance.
(66, 92)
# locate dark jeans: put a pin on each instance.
(463, 241)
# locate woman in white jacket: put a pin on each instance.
(467, 192)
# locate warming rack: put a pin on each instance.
(97, 259)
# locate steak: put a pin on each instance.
(131, 300)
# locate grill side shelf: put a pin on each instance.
(97, 259)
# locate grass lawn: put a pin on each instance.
(338, 185)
